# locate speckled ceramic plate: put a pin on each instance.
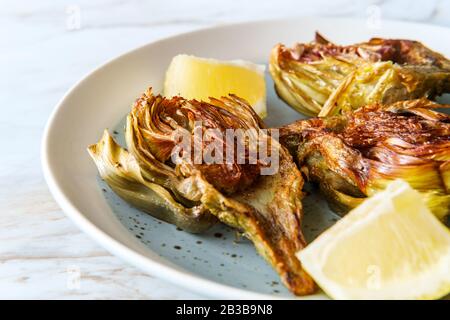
(218, 263)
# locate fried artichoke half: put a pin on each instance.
(321, 78)
(194, 194)
(353, 156)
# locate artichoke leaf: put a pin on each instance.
(122, 173)
(268, 214)
(276, 205)
(355, 155)
(265, 208)
(324, 79)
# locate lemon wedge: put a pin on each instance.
(389, 247)
(200, 78)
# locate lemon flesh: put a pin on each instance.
(389, 247)
(200, 78)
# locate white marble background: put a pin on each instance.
(45, 46)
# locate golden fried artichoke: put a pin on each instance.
(353, 156)
(194, 193)
(321, 78)
(123, 174)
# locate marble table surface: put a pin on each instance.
(45, 47)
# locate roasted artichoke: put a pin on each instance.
(321, 78)
(123, 174)
(354, 155)
(193, 192)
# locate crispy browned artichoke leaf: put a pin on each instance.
(122, 173)
(321, 78)
(353, 156)
(265, 208)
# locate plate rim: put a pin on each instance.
(191, 282)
